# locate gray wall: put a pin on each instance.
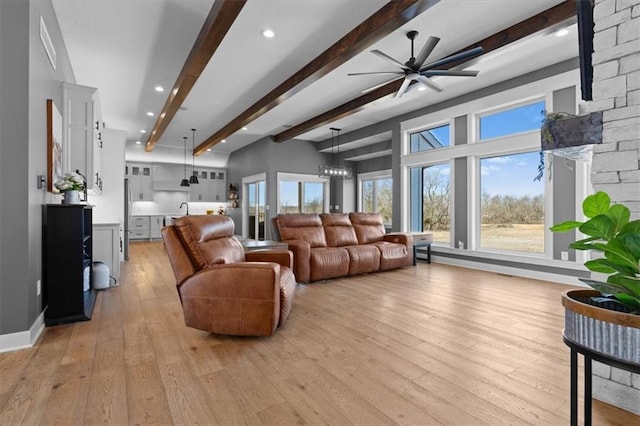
(27, 80)
(268, 157)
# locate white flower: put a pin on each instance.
(70, 182)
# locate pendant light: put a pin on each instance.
(185, 181)
(336, 170)
(194, 175)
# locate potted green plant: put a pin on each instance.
(615, 301)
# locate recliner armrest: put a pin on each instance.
(247, 280)
(301, 257)
(399, 237)
(281, 257)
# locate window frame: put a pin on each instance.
(372, 176)
(303, 178)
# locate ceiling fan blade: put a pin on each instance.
(453, 58)
(371, 89)
(424, 80)
(376, 72)
(425, 52)
(390, 59)
(404, 87)
(450, 73)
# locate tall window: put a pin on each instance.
(433, 138)
(511, 204)
(377, 196)
(431, 201)
(300, 196)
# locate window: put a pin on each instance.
(424, 140)
(511, 121)
(377, 196)
(431, 201)
(511, 204)
(299, 194)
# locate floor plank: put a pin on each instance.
(430, 344)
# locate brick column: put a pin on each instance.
(616, 162)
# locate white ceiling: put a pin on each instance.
(126, 48)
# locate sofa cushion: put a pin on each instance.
(302, 226)
(363, 259)
(328, 262)
(338, 230)
(392, 255)
(368, 227)
(209, 240)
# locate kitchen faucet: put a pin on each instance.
(185, 204)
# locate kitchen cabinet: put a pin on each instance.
(145, 227)
(212, 186)
(140, 181)
(155, 226)
(106, 246)
(67, 263)
(82, 133)
(139, 228)
(141, 188)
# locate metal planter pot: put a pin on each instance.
(600, 327)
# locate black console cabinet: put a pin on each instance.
(67, 263)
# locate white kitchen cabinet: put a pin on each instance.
(139, 228)
(155, 226)
(81, 133)
(211, 187)
(106, 246)
(139, 170)
(141, 188)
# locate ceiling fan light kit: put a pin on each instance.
(415, 70)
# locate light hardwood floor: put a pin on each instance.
(423, 345)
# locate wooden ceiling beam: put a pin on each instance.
(382, 23)
(539, 22)
(222, 15)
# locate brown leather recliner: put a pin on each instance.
(224, 290)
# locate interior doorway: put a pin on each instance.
(255, 207)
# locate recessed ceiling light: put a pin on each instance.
(150, 114)
(561, 33)
(223, 141)
(162, 115)
(138, 143)
(268, 33)
(153, 133)
(245, 129)
(422, 88)
(159, 89)
(208, 149)
(143, 131)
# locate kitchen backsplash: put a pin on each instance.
(168, 202)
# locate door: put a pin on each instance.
(256, 212)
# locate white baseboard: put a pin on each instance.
(22, 339)
(501, 269)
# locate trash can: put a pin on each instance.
(101, 277)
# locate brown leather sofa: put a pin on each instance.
(335, 245)
(224, 290)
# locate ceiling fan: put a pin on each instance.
(415, 69)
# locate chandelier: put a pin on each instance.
(337, 170)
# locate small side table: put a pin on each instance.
(422, 239)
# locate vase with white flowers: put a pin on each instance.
(69, 185)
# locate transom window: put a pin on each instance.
(511, 121)
(433, 138)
